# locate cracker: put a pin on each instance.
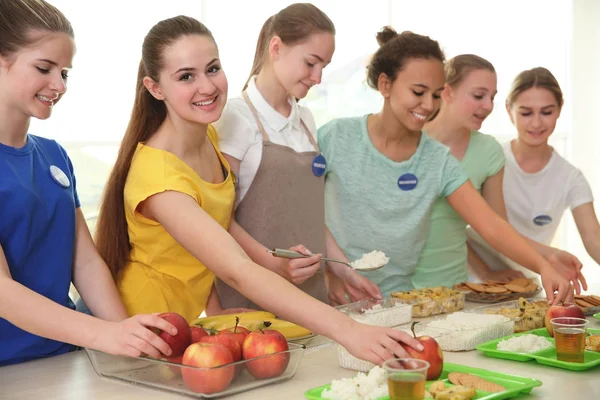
(520, 282)
(478, 383)
(454, 377)
(476, 287)
(532, 287)
(595, 300)
(516, 288)
(496, 289)
(583, 303)
(496, 283)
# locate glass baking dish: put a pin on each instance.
(164, 375)
(386, 312)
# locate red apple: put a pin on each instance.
(239, 333)
(432, 353)
(262, 343)
(180, 341)
(231, 344)
(197, 333)
(564, 310)
(214, 376)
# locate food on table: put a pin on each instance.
(182, 339)
(432, 301)
(465, 330)
(371, 260)
(519, 285)
(564, 310)
(383, 312)
(370, 386)
(207, 356)
(592, 343)
(588, 301)
(373, 386)
(432, 353)
(252, 321)
(529, 314)
(440, 391)
(527, 343)
(262, 343)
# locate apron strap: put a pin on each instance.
(265, 136)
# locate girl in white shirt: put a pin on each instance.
(269, 141)
(539, 185)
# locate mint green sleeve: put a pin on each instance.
(326, 143)
(495, 156)
(453, 175)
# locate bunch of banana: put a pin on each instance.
(252, 320)
(286, 328)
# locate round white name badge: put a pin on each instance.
(59, 176)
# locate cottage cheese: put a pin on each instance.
(378, 315)
(464, 330)
(524, 344)
(371, 260)
(369, 386)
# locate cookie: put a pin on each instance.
(478, 383)
(583, 303)
(520, 282)
(454, 377)
(516, 288)
(532, 287)
(496, 289)
(476, 287)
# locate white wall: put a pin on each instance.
(585, 105)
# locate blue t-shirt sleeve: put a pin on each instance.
(453, 175)
(71, 176)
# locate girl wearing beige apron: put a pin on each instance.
(284, 206)
(283, 203)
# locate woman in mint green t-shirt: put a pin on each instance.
(384, 175)
(468, 98)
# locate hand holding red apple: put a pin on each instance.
(432, 353)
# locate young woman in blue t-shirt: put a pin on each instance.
(384, 175)
(44, 241)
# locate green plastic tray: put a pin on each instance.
(514, 385)
(597, 316)
(545, 357)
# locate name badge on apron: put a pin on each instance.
(407, 182)
(542, 220)
(59, 176)
(319, 165)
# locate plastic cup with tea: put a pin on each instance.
(406, 378)
(569, 338)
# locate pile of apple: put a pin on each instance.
(265, 352)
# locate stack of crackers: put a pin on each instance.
(465, 387)
(587, 301)
(519, 285)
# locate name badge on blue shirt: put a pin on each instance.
(542, 220)
(319, 165)
(59, 176)
(407, 182)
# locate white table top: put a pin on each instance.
(71, 376)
